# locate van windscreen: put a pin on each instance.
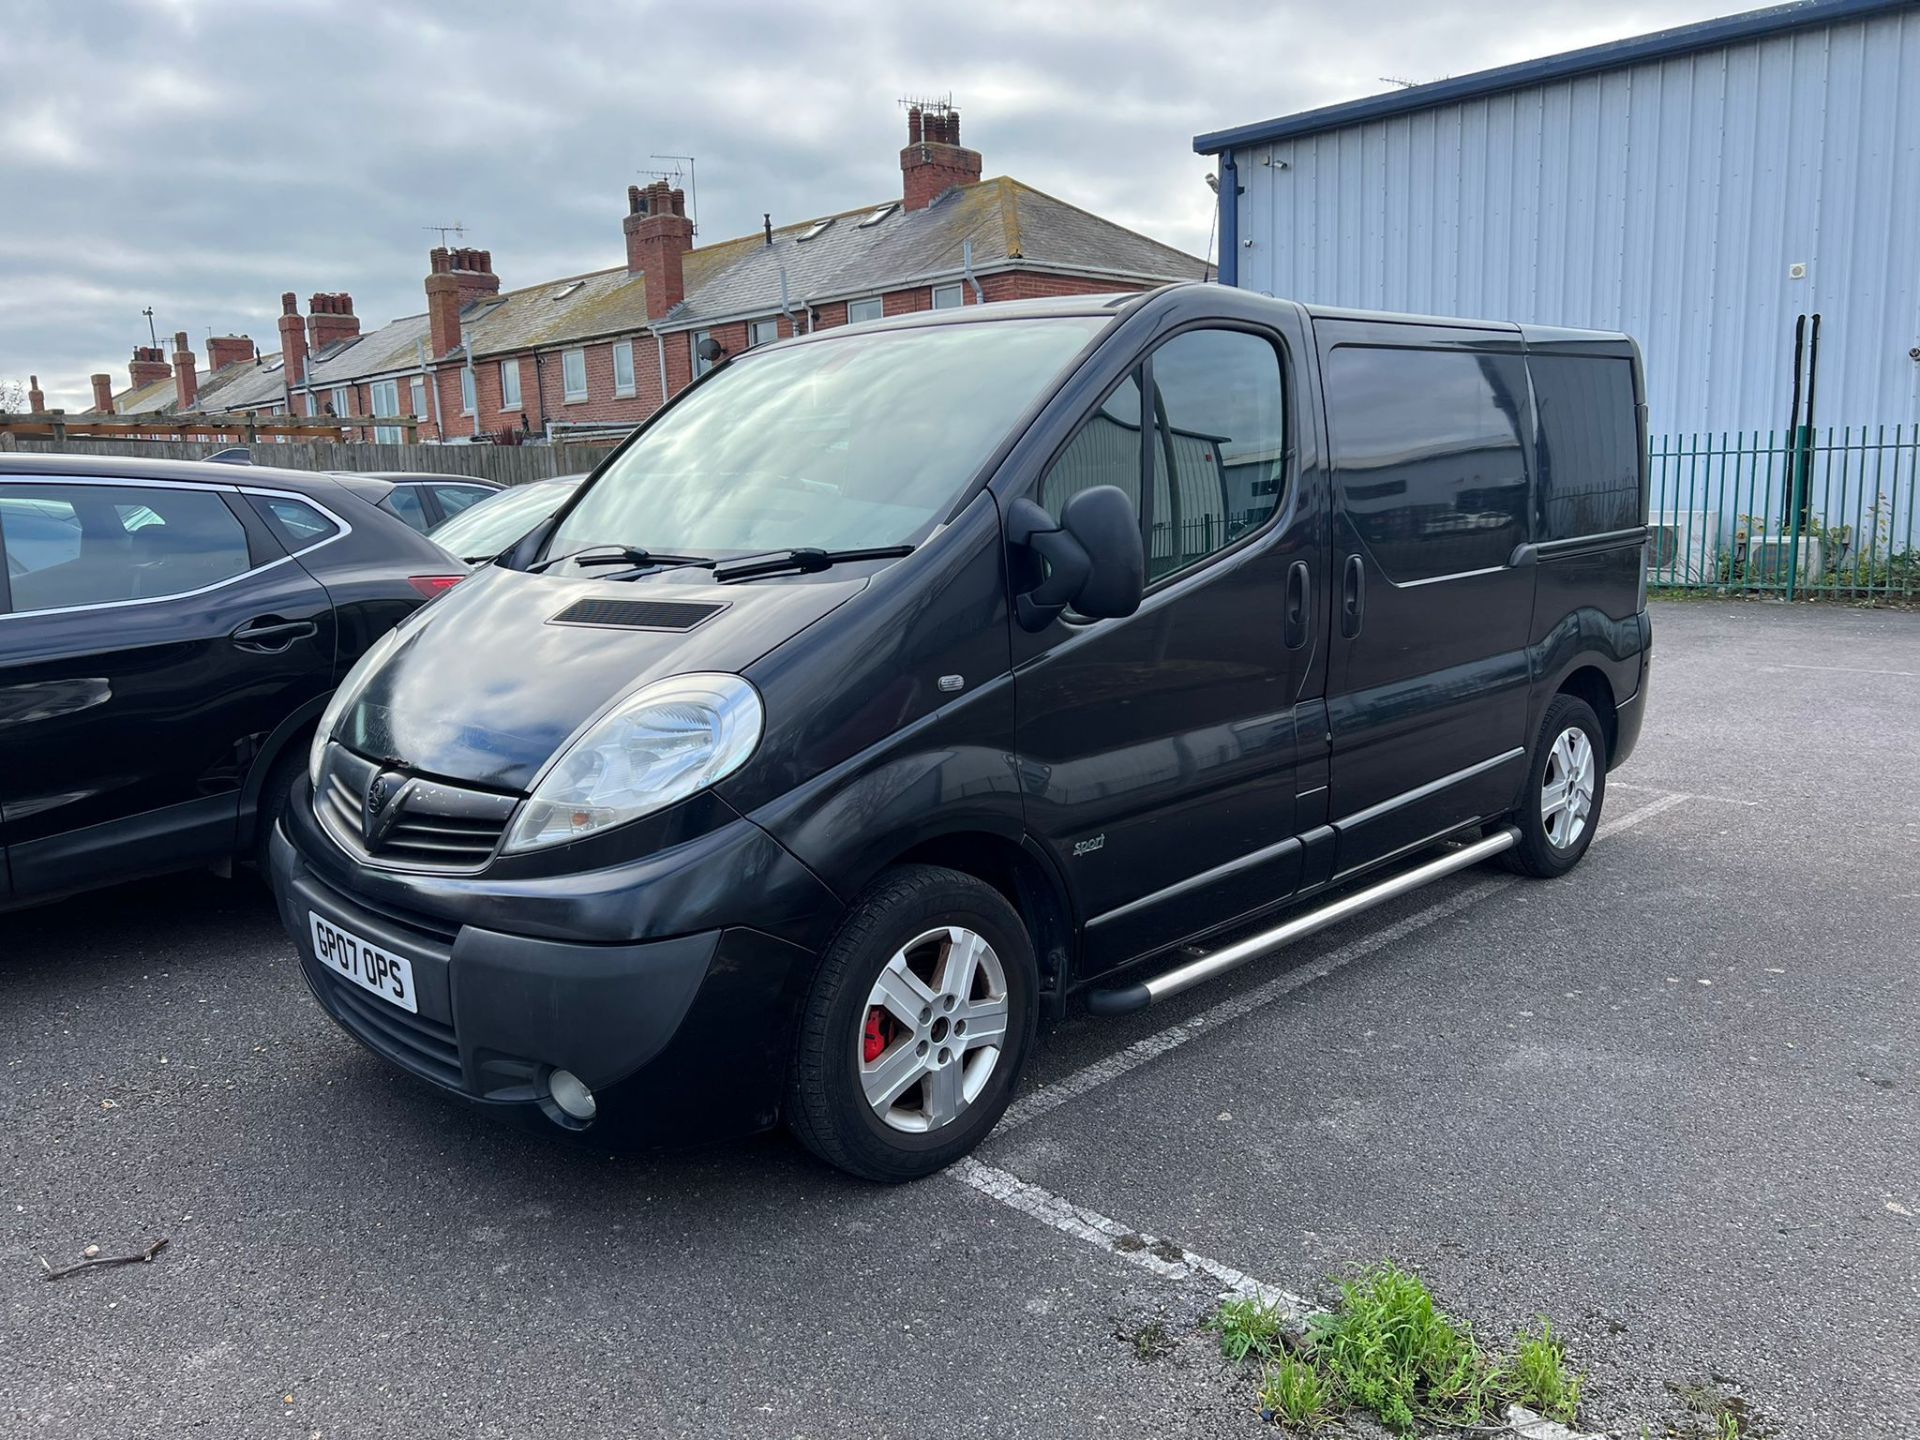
(855, 441)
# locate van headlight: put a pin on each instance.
(344, 695)
(664, 742)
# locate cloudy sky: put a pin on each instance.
(202, 156)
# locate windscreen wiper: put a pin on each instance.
(805, 560)
(617, 555)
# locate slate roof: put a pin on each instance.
(1008, 222)
(243, 385)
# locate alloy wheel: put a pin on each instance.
(1566, 789)
(936, 1020)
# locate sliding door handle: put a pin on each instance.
(1353, 597)
(1299, 604)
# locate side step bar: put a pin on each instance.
(1127, 998)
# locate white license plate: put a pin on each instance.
(386, 974)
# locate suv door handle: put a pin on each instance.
(1353, 597)
(269, 634)
(1298, 593)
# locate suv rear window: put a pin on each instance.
(97, 544)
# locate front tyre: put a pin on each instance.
(916, 1028)
(1565, 787)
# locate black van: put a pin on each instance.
(897, 685)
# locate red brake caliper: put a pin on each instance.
(877, 1036)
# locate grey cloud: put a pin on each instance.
(204, 155)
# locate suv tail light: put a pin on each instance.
(432, 585)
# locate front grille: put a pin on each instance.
(422, 824)
(637, 614)
(412, 1042)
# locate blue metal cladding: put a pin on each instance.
(1674, 199)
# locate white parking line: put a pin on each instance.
(1038, 1102)
(1165, 1258)
(1149, 1252)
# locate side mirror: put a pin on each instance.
(1094, 560)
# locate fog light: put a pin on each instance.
(571, 1095)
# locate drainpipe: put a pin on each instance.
(473, 383)
(433, 387)
(966, 271)
(1229, 219)
(786, 305)
(660, 344)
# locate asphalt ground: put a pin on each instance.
(1670, 1101)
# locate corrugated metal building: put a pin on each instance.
(1700, 189)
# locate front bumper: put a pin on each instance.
(682, 1038)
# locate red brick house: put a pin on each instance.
(601, 351)
(590, 351)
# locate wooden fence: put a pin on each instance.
(506, 464)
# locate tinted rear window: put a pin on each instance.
(1427, 447)
(1589, 446)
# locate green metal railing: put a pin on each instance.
(1802, 515)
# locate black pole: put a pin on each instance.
(1793, 422)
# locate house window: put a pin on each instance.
(623, 368)
(872, 308)
(700, 362)
(573, 374)
(419, 389)
(342, 400)
(386, 401)
(762, 332)
(510, 384)
(949, 297)
(466, 389)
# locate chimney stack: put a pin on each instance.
(934, 161)
(293, 341)
(148, 366)
(36, 400)
(225, 350)
(458, 278)
(103, 394)
(186, 385)
(330, 319)
(658, 235)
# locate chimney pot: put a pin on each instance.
(658, 235)
(934, 161)
(186, 384)
(36, 400)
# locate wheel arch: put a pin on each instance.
(1588, 683)
(292, 731)
(1027, 882)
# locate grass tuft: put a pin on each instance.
(1295, 1393)
(1538, 1377)
(1247, 1326)
(1389, 1349)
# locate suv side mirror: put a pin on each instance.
(1094, 559)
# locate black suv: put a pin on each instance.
(169, 633)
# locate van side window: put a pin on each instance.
(1427, 447)
(1588, 445)
(1219, 432)
(1217, 442)
(1105, 451)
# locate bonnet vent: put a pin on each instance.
(637, 614)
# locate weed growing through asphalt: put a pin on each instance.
(1247, 1327)
(1296, 1394)
(1538, 1378)
(1388, 1349)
